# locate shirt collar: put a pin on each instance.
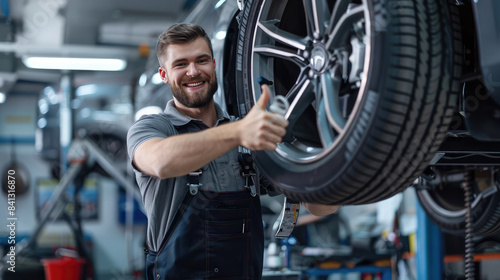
(179, 119)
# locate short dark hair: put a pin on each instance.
(180, 33)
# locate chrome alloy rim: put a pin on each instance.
(331, 60)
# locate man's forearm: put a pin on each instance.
(180, 154)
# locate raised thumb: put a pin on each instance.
(264, 97)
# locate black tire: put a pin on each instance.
(446, 209)
(382, 130)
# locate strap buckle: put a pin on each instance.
(249, 173)
(194, 182)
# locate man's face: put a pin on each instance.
(190, 70)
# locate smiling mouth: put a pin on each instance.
(194, 84)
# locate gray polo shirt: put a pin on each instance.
(162, 198)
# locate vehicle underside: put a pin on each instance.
(465, 170)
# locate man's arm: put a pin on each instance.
(180, 154)
(320, 209)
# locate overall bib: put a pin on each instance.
(214, 235)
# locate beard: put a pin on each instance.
(197, 100)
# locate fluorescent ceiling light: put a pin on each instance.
(2, 97)
(219, 4)
(73, 63)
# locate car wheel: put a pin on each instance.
(444, 204)
(371, 86)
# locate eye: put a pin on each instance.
(203, 61)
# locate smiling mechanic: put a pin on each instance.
(202, 221)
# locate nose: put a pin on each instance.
(192, 70)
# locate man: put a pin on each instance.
(202, 220)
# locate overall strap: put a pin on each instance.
(193, 177)
(252, 182)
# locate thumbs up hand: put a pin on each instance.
(261, 130)
(264, 97)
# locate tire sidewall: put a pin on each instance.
(484, 214)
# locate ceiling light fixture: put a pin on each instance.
(3, 96)
(219, 4)
(74, 63)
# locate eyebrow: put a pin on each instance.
(185, 59)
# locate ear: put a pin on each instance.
(214, 63)
(163, 75)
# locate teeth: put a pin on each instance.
(194, 84)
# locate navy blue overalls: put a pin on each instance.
(214, 235)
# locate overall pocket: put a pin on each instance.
(227, 240)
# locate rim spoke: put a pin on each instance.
(287, 38)
(326, 133)
(339, 9)
(282, 53)
(330, 88)
(343, 26)
(300, 97)
(317, 16)
(298, 88)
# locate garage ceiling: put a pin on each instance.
(47, 26)
(84, 18)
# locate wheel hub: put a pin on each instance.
(319, 59)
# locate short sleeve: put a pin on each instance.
(148, 127)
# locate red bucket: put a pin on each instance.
(65, 268)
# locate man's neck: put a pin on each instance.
(207, 114)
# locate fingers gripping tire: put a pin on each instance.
(371, 85)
